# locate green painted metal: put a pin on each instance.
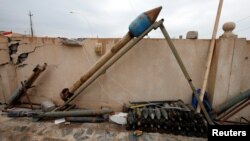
(85, 119)
(223, 107)
(58, 114)
(78, 113)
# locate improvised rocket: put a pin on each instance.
(136, 28)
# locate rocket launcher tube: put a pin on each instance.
(137, 27)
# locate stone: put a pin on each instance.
(82, 138)
(192, 35)
(110, 133)
(25, 138)
(51, 139)
(21, 128)
(147, 137)
(228, 28)
(66, 131)
(99, 133)
(89, 131)
(78, 134)
(131, 137)
(42, 131)
(104, 138)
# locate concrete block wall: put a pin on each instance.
(230, 71)
(147, 72)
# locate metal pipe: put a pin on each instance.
(78, 113)
(26, 84)
(40, 114)
(223, 107)
(112, 61)
(85, 119)
(230, 110)
(245, 104)
(20, 113)
(159, 101)
(183, 68)
(28, 106)
(242, 118)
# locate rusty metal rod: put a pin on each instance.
(28, 106)
(218, 117)
(184, 70)
(156, 101)
(112, 61)
(236, 110)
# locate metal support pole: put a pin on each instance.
(210, 55)
(31, 25)
(178, 58)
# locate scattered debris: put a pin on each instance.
(120, 118)
(60, 120)
(71, 43)
(48, 106)
(137, 133)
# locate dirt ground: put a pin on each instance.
(23, 129)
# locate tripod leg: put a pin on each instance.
(184, 70)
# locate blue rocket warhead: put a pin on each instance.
(144, 21)
(136, 28)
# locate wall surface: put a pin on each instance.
(147, 72)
